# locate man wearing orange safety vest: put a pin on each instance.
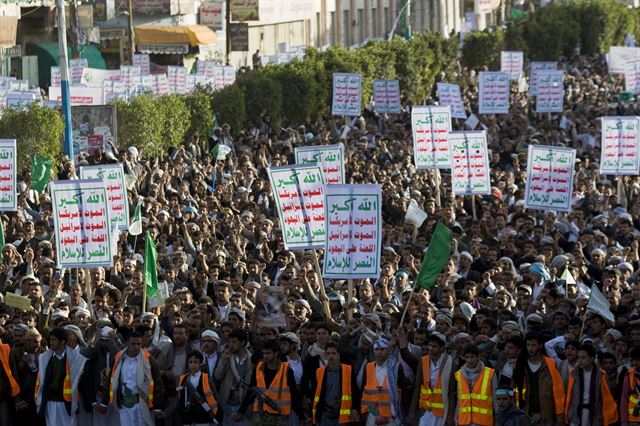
(197, 404)
(381, 392)
(435, 385)
(475, 384)
(589, 401)
(630, 398)
(132, 388)
(275, 394)
(56, 391)
(333, 403)
(538, 385)
(9, 387)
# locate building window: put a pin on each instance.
(333, 30)
(346, 28)
(360, 25)
(374, 23)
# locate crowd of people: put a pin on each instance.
(504, 337)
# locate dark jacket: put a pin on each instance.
(512, 417)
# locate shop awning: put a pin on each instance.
(192, 35)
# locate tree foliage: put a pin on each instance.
(37, 129)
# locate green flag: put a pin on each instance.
(517, 13)
(136, 223)
(40, 172)
(150, 271)
(436, 257)
(219, 152)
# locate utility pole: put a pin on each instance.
(132, 41)
(64, 77)
(228, 31)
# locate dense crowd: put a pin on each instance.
(504, 337)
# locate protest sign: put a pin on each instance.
(330, 158)
(632, 77)
(92, 77)
(142, 60)
(620, 153)
(386, 96)
(620, 56)
(113, 174)
(549, 183)
(8, 175)
(81, 219)
(550, 96)
(472, 122)
(347, 94)
(494, 93)
(79, 95)
(22, 303)
(512, 63)
(449, 95)
(177, 77)
(76, 66)
(268, 311)
(354, 231)
(299, 194)
(56, 77)
(469, 163)
(159, 297)
(536, 67)
(415, 214)
(431, 126)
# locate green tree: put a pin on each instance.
(37, 129)
(482, 49)
(176, 119)
(199, 105)
(261, 93)
(140, 124)
(228, 106)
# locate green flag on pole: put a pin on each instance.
(40, 172)
(436, 257)
(150, 268)
(136, 223)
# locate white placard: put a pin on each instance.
(330, 157)
(512, 63)
(494, 93)
(550, 96)
(536, 67)
(143, 61)
(118, 203)
(347, 94)
(470, 174)
(8, 175)
(549, 183)
(386, 96)
(449, 95)
(620, 56)
(430, 126)
(620, 146)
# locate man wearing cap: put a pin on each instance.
(508, 414)
(381, 390)
(56, 391)
(435, 384)
(210, 343)
(333, 402)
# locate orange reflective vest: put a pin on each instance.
(431, 399)
(148, 398)
(557, 385)
(208, 393)
(633, 397)
(609, 406)
(66, 386)
(476, 406)
(4, 359)
(278, 391)
(345, 400)
(374, 396)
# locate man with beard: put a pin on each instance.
(106, 349)
(26, 360)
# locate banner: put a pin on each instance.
(93, 77)
(620, 146)
(347, 94)
(386, 96)
(620, 56)
(512, 63)
(632, 77)
(8, 175)
(549, 183)
(299, 194)
(431, 126)
(143, 61)
(79, 95)
(550, 96)
(244, 10)
(330, 158)
(536, 67)
(354, 230)
(93, 126)
(118, 203)
(494, 93)
(81, 218)
(449, 95)
(75, 70)
(470, 174)
(212, 14)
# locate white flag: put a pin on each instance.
(599, 304)
(135, 228)
(415, 214)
